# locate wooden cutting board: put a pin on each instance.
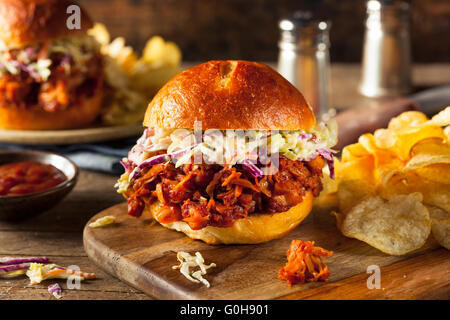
(142, 253)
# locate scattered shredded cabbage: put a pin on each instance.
(37, 272)
(188, 261)
(101, 222)
(55, 290)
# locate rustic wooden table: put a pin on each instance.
(58, 232)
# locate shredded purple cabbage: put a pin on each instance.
(55, 290)
(175, 155)
(331, 168)
(18, 260)
(22, 66)
(31, 53)
(306, 136)
(157, 160)
(252, 169)
(328, 156)
(14, 267)
(127, 165)
(149, 162)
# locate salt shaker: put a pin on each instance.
(304, 59)
(386, 65)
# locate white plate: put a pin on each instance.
(85, 135)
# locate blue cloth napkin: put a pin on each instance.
(102, 157)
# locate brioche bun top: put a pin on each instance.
(26, 22)
(229, 95)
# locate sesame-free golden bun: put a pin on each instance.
(255, 228)
(26, 22)
(229, 95)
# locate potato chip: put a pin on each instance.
(352, 151)
(396, 227)
(339, 219)
(440, 226)
(359, 169)
(173, 54)
(383, 171)
(439, 173)
(367, 140)
(407, 139)
(434, 193)
(442, 118)
(149, 81)
(385, 138)
(100, 33)
(158, 53)
(427, 152)
(135, 81)
(438, 213)
(352, 192)
(430, 146)
(447, 133)
(430, 158)
(154, 50)
(124, 55)
(441, 232)
(409, 128)
(384, 158)
(407, 120)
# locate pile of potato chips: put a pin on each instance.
(134, 81)
(393, 186)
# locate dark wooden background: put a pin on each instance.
(248, 29)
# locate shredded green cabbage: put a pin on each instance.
(234, 146)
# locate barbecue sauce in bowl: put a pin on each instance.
(20, 178)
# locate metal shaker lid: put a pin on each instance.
(388, 5)
(388, 14)
(303, 30)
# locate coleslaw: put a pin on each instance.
(227, 147)
(78, 49)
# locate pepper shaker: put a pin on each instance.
(386, 65)
(304, 59)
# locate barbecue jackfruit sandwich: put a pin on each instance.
(231, 154)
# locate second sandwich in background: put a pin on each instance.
(51, 77)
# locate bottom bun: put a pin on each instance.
(84, 112)
(256, 228)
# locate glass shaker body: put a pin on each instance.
(386, 65)
(304, 60)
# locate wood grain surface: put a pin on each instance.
(142, 253)
(57, 234)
